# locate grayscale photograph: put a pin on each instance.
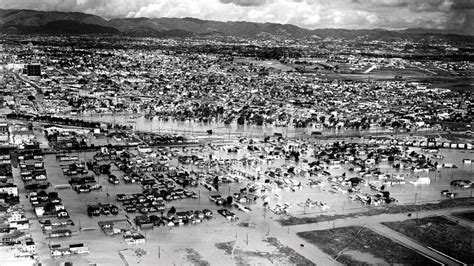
(236, 132)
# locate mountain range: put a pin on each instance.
(16, 21)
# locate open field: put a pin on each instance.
(441, 234)
(434, 77)
(457, 137)
(389, 209)
(465, 215)
(265, 63)
(281, 254)
(360, 246)
(453, 83)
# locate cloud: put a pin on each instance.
(382, 3)
(355, 14)
(463, 4)
(245, 2)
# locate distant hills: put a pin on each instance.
(14, 21)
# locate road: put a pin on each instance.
(409, 243)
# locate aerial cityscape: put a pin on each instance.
(236, 132)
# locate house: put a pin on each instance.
(9, 199)
(134, 238)
(370, 161)
(20, 137)
(79, 248)
(61, 233)
(6, 173)
(15, 236)
(62, 213)
(144, 149)
(20, 225)
(138, 239)
(39, 211)
(8, 188)
(421, 181)
(56, 253)
(29, 246)
(4, 135)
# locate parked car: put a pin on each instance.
(113, 180)
(207, 213)
(130, 209)
(199, 214)
(93, 210)
(215, 197)
(227, 214)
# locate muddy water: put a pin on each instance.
(76, 204)
(193, 128)
(405, 193)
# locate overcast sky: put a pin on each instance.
(455, 15)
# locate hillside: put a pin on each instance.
(40, 22)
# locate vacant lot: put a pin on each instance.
(465, 215)
(441, 234)
(265, 63)
(462, 83)
(281, 254)
(360, 246)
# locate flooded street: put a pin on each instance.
(193, 128)
(219, 229)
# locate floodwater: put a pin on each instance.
(193, 128)
(217, 230)
(404, 193)
(339, 201)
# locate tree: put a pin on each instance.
(229, 200)
(42, 193)
(172, 211)
(49, 207)
(216, 183)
